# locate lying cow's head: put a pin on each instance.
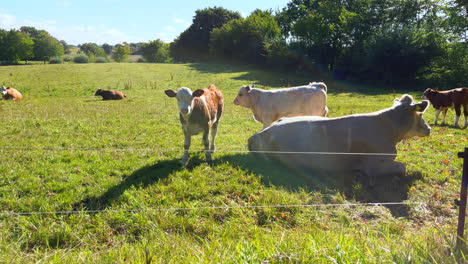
(243, 98)
(4, 90)
(184, 98)
(98, 92)
(409, 117)
(429, 93)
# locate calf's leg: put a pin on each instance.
(465, 112)
(214, 130)
(437, 116)
(457, 113)
(444, 113)
(187, 141)
(206, 143)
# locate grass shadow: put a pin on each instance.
(385, 190)
(140, 178)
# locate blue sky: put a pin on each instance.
(115, 21)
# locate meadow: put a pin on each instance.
(110, 171)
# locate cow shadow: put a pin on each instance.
(389, 189)
(142, 177)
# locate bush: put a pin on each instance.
(81, 59)
(67, 58)
(56, 60)
(101, 60)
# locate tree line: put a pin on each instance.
(386, 40)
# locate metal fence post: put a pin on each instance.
(462, 210)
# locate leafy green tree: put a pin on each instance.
(107, 48)
(16, 46)
(121, 52)
(46, 46)
(66, 47)
(92, 49)
(195, 40)
(155, 51)
(246, 38)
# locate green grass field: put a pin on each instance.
(116, 164)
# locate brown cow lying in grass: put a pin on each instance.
(199, 111)
(110, 95)
(443, 100)
(9, 93)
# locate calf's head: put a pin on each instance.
(429, 93)
(243, 97)
(4, 90)
(184, 98)
(410, 117)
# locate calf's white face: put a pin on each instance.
(4, 90)
(184, 98)
(242, 98)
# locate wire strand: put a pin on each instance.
(207, 207)
(218, 151)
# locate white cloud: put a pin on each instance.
(170, 29)
(181, 21)
(64, 3)
(7, 21)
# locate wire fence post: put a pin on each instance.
(462, 210)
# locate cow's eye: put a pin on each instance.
(240, 94)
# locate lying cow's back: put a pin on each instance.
(376, 132)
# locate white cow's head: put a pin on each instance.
(410, 117)
(184, 98)
(243, 97)
(4, 90)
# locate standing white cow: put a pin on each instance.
(321, 139)
(270, 105)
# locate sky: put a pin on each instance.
(116, 21)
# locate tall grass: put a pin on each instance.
(62, 150)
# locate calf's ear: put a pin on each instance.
(421, 107)
(198, 93)
(170, 93)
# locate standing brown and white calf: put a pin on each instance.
(200, 111)
(443, 100)
(10, 93)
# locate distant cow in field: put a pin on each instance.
(270, 105)
(9, 93)
(341, 144)
(200, 111)
(110, 95)
(443, 100)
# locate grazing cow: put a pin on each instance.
(323, 139)
(110, 95)
(443, 100)
(200, 111)
(270, 105)
(9, 93)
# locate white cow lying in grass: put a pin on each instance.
(270, 105)
(376, 132)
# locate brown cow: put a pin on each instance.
(443, 100)
(200, 111)
(110, 95)
(10, 93)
